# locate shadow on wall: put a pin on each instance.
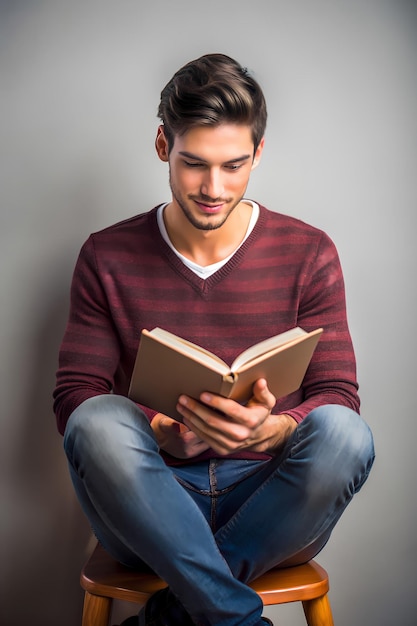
(48, 535)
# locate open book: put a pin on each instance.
(167, 366)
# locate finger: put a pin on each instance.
(226, 409)
(222, 434)
(167, 424)
(201, 416)
(262, 395)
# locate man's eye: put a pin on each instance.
(234, 167)
(190, 164)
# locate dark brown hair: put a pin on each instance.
(212, 90)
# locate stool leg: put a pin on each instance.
(318, 612)
(96, 610)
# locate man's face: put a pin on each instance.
(209, 171)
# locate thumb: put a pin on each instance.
(262, 395)
(167, 424)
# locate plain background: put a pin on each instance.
(80, 86)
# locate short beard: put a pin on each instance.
(200, 225)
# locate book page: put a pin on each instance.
(188, 347)
(264, 346)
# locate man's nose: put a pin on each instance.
(213, 186)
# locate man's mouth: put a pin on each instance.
(210, 207)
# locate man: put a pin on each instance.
(234, 490)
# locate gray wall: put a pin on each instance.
(80, 83)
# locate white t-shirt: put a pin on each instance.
(208, 270)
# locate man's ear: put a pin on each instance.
(258, 153)
(161, 144)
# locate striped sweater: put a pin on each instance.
(127, 278)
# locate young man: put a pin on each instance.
(213, 503)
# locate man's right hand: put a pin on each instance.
(176, 438)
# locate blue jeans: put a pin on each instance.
(209, 528)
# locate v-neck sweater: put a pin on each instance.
(285, 274)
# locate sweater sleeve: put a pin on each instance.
(89, 356)
(331, 376)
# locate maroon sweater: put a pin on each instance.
(285, 274)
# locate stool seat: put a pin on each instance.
(104, 580)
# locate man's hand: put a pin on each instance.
(226, 426)
(176, 439)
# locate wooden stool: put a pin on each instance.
(104, 580)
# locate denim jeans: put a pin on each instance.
(209, 528)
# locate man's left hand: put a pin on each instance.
(229, 427)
